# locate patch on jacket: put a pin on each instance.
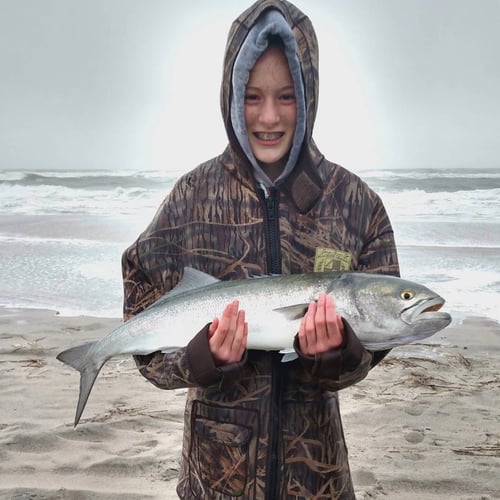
(329, 259)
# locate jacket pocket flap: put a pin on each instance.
(224, 433)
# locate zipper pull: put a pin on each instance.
(271, 206)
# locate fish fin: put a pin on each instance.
(289, 354)
(169, 350)
(259, 276)
(294, 312)
(76, 358)
(192, 279)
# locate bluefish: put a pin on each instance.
(384, 312)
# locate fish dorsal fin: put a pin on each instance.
(260, 276)
(294, 312)
(192, 279)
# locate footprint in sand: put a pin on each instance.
(138, 448)
(415, 410)
(415, 436)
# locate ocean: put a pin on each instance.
(62, 234)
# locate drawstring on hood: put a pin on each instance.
(270, 23)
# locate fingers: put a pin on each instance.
(213, 327)
(306, 327)
(228, 335)
(321, 329)
(240, 337)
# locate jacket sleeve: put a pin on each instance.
(190, 366)
(338, 368)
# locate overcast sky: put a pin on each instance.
(134, 84)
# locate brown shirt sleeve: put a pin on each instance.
(340, 367)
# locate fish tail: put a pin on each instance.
(77, 359)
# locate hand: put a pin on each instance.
(227, 336)
(321, 328)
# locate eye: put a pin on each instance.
(407, 294)
(250, 98)
(288, 97)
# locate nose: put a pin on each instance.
(269, 112)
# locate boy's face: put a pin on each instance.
(270, 108)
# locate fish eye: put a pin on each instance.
(407, 294)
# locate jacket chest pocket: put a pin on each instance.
(223, 448)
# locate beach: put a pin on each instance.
(423, 425)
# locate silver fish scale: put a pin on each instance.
(184, 315)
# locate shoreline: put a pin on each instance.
(423, 425)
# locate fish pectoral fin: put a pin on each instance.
(294, 312)
(289, 354)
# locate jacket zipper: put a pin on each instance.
(273, 457)
(274, 267)
(273, 232)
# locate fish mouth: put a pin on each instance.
(426, 310)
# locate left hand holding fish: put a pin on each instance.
(227, 336)
(321, 328)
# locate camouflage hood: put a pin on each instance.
(304, 185)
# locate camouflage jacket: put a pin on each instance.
(261, 428)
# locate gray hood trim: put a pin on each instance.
(271, 22)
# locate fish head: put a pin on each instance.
(390, 311)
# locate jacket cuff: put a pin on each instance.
(202, 364)
(332, 364)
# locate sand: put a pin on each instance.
(425, 424)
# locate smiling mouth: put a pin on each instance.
(269, 136)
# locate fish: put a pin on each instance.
(384, 312)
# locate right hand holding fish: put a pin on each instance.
(227, 335)
(321, 329)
